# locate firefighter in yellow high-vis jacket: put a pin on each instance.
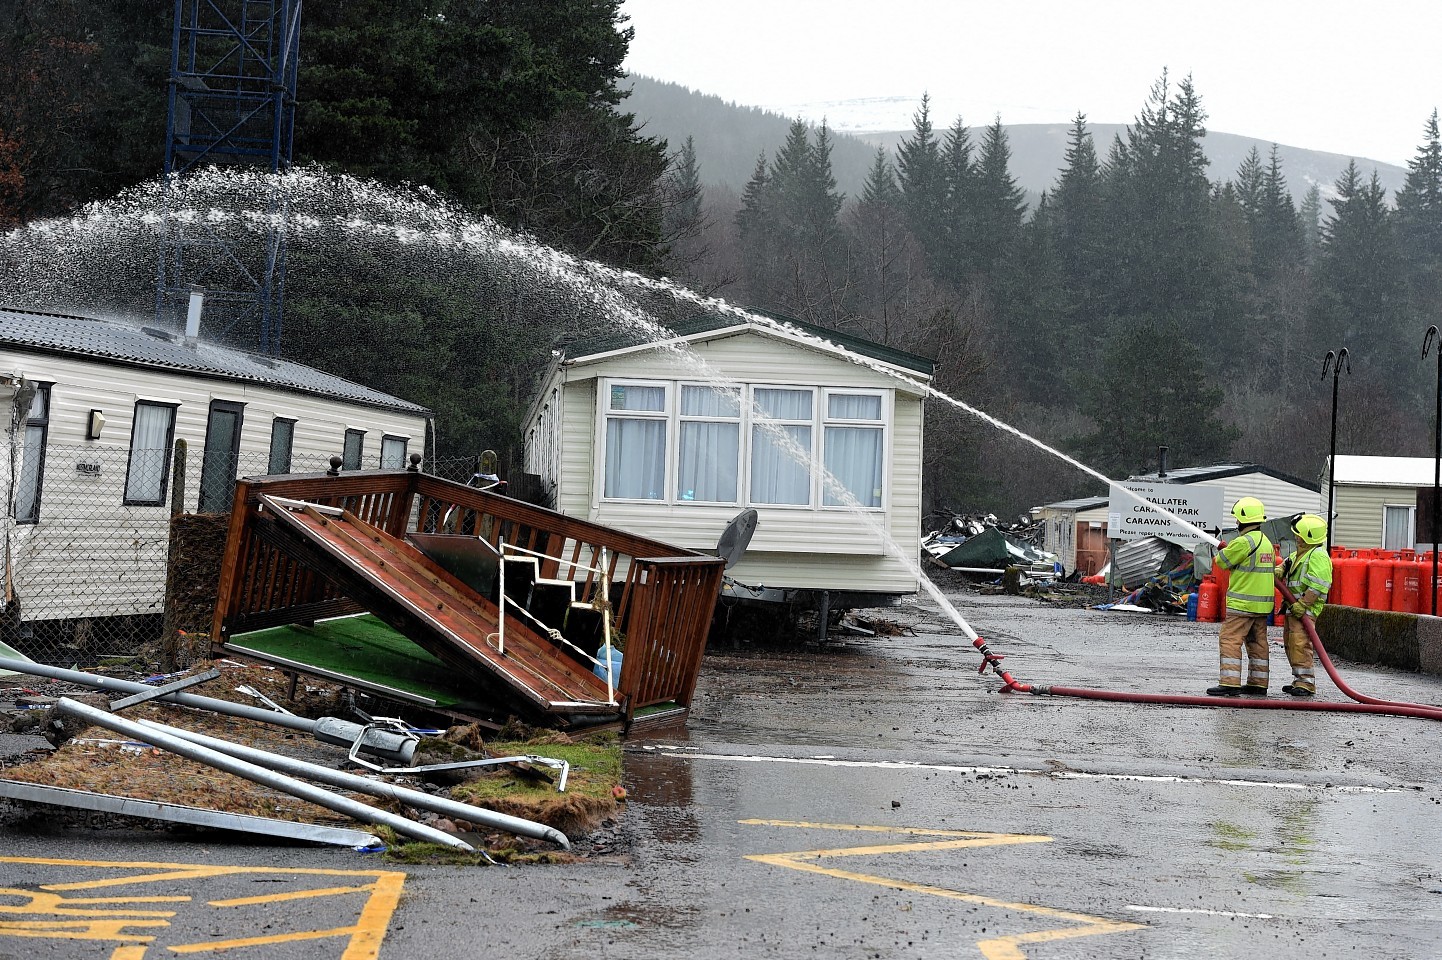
(1308, 575)
(1250, 596)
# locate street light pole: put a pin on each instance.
(1336, 360)
(1431, 339)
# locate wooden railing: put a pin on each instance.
(662, 596)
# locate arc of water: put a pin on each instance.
(449, 228)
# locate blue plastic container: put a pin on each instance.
(1192, 605)
(600, 668)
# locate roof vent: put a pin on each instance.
(159, 334)
(192, 315)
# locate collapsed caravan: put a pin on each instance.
(676, 439)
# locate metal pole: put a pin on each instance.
(333, 730)
(1434, 338)
(260, 775)
(376, 788)
(1335, 359)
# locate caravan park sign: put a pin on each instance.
(1128, 519)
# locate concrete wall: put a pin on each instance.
(1403, 640)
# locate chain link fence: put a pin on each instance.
(114, 560)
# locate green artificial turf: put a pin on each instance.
(367, 649)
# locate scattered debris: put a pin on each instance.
(187, 765)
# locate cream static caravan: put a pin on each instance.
(665, 440)
(92, 410)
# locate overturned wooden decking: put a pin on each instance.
(302, 550)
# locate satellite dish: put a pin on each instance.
(736, 537)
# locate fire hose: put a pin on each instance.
(1363, 704)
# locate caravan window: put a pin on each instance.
(635, 426)
(32, 466)
(709, 451)
(220, 461)
(350, 455)
(854, 453)
(712, 444)
(151, 434)
(393, 452)
(1398, 527)
(282, 441)
(781, 451)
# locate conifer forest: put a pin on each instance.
(1144, 299)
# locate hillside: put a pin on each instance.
(729, 138)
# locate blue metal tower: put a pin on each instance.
(232, 101)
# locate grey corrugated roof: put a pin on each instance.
(1220, 471)
(1080, 503)
(116, 342)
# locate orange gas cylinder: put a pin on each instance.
(1379, 580)
(1224, 583)
(1277, 601)
(1426, 603)
(1349, 578)
(1406, 583)
(1209, 607)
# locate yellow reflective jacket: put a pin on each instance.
(1310, 571)
(1252, 588)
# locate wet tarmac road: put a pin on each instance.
(879, 799)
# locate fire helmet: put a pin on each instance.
(1310, 529)
(1249, 510)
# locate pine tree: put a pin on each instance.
(881, 188)
(922, 179)
(956, 255)
(1310, 216)
(1419, 225)
(999, 203)
(684, 218)
(1362, 299)
(755, 228)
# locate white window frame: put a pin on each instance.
(391, 439)
(751, 425)
(672, 417)
(1411, 509)
(666, 415)
(674, 448)
(165, 454)
(33, 461)
(882, 424)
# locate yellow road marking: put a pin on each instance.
(78, 929)
(53, 903)
(364, 936)
(262, 941)
(997, 948)
(294, 895)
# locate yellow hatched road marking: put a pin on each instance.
(297, 895)
(997, 948)
(364, 937)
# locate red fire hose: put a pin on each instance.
(1364, 703)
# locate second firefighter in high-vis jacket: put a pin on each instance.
(1308, 575)
(1250, 596)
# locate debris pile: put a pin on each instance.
(194, 763)
(983, 545)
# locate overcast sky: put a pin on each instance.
(1354, 78)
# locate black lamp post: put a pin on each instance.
(1434, 338)
(1336, 360)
